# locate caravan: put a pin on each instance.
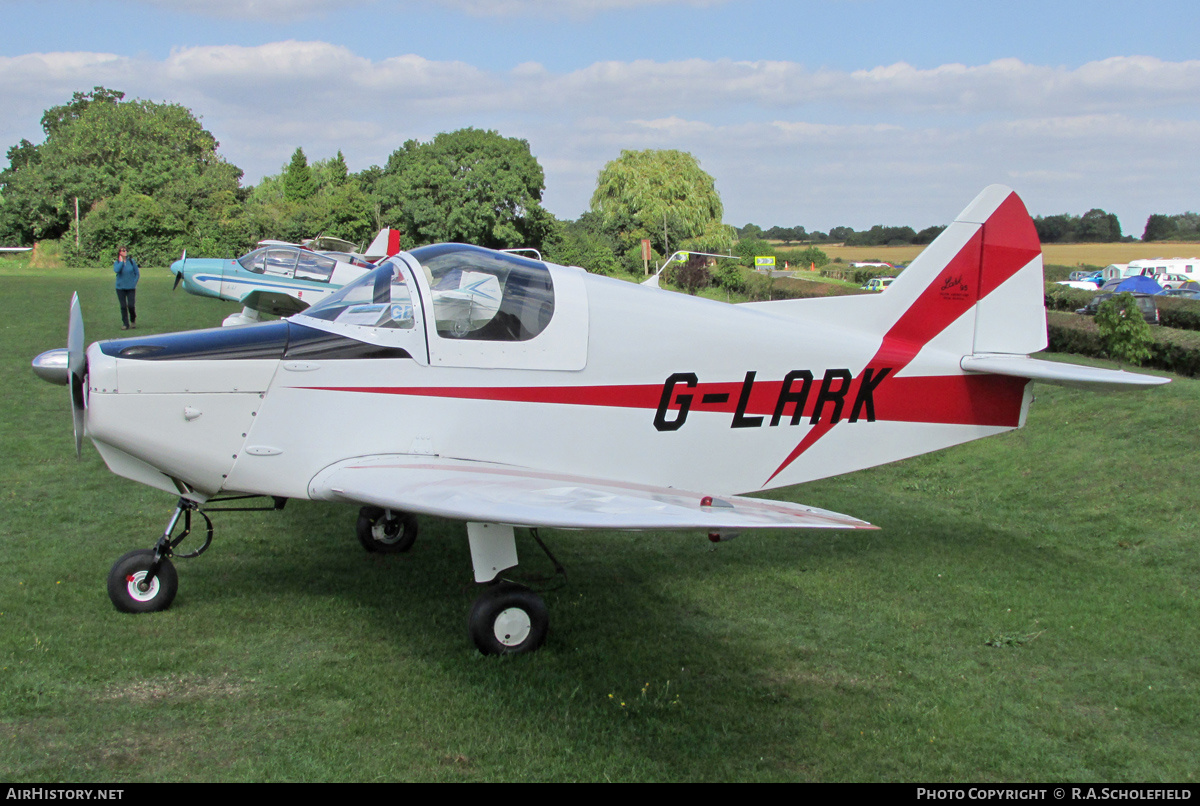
(1187, 269)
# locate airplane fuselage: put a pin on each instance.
(632, 383)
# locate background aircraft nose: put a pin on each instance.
(177, 269)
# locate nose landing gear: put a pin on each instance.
(145, 580)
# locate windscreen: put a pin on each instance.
(379, 298)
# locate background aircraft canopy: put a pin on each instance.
(289, 262)
(379, 298)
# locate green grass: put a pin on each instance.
(1028, 611)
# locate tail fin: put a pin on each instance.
(950, 341)
(386, 244)
(996, 234)
(976, 289)
(981, 280)
(975, 293)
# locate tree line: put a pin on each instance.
(1094, 226)
(146, 175)
(878, 235)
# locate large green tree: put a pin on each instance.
(662, 195)
(470, 185)
(144, 174)
(305, 200)
(298, 182)
(582, 243)
(1185, 227)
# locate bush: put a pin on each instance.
(1123, 328)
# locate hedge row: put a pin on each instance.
(761, 287)
(856, 275)
(1173, 350)
(1179, 313)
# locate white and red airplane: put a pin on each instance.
(501, 391)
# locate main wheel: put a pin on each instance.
(387, 532)
(508, 619)
(127, 583)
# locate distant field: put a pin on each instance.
(1069, 254)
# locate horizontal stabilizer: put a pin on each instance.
(1020, 366)
(489, 493)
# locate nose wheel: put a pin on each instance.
(145, 580)
(140, 583)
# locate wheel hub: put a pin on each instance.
(388, 531)
(138, 587)
(512, 626)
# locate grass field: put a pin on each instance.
(1028, 612)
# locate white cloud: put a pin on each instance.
(786, 144)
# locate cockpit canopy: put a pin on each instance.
(477, 294)
(290, 261)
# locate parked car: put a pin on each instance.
(878, 283)
(1145, 303)
(1182, 293)
(1173, 280)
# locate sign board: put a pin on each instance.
(645, 248)
(767, 262)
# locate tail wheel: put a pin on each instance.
(508, 619)
(129, 589)
(386, 531)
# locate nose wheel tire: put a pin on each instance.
(128, 587)
(386, 531)
(508, 619)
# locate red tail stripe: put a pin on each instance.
(1005, 244)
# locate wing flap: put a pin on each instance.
(482, 492)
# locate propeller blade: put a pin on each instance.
(178, 280)
(179, 274)
(77, 369)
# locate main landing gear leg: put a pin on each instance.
(145, 580)
(507, 618)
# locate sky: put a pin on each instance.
(817, 113)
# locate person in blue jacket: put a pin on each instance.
(126, 269)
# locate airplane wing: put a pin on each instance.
(491, 493)
(273, 303)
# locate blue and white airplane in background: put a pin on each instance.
(279, 278)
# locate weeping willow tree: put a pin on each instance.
(662, 195)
